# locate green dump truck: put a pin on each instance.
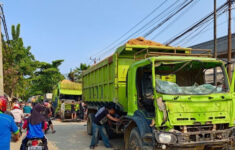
(66, 91)
(173, 89)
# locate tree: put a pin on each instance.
(23, 75)
(76, 74)
(18, 64)
(71, 75)
(46, 77)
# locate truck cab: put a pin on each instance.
(189, 101)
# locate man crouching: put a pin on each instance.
(101, 117)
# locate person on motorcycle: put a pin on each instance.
(35, 125)
(27, 109)
(18, 115)
(7, 126)
(47, 114)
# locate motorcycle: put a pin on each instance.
(26, 116)
(35, 144)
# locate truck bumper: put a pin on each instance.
(192, 139)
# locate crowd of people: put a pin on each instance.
(78, 110)
(33, 117)
(36, 119)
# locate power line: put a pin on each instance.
(204, 29)
(4, 25)
(176, 19)
(167, 19)
(142, 20)
(196, 24)
(158, 18)
(173, 11)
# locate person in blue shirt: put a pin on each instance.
(7, 126)
(27, 109)
(36, 126)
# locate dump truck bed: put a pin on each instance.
(106, 81)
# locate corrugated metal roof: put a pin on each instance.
(222, 43)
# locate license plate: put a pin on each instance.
(35, 148)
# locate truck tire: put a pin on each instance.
(135, 141)
(89, 123)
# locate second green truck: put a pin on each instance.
(68, 92)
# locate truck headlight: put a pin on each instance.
(165, 138)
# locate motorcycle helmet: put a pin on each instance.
(16, 106)
(3, 103)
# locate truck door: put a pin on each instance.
(233, 95)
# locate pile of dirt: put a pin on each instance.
(142, 41)
(67, 84)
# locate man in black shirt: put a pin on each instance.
(47, 113)
(73, 112)
(101, 117)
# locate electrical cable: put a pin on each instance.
(4, 25)
(175, 10)
(195, 34)
(196, 24)
(176, 19)
(142, 20)
(167, 19)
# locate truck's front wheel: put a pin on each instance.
(135, 142)
(89, 123)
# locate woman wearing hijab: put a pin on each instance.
(35, 125)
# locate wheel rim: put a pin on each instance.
(134, 145)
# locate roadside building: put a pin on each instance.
(222, 44)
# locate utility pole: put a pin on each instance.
(229, 42)
(94, 60)
(215, 39)
(1, 63)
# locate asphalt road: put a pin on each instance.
(73, 136)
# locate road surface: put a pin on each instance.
(72, 136)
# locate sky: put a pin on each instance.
(75, 30)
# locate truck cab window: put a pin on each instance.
(190, 78)
(145, 89)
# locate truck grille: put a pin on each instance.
(203, 133)
(204, 136)
(198, 128)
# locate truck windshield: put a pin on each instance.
(69, 97)
(190, 78)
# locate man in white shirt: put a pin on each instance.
(18, 115)
(62, 109)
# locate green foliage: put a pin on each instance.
(23, 75)
(18, 64)
(76, 74)
(46, 77)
